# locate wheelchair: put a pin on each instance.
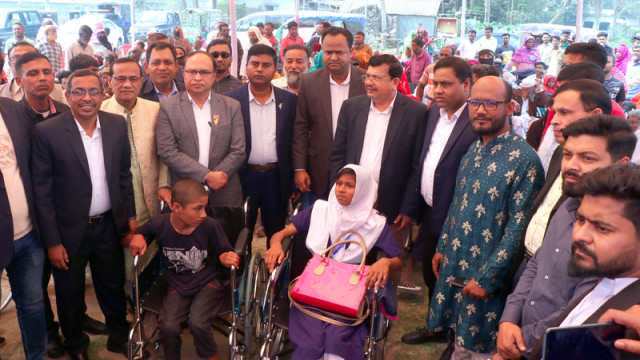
(275, 304)
(238, 317)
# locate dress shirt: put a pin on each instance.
(417, 65)
(174, 91)
(10, 42)
(468, 49)
(542, 48)
(374, 136)
(547, 147)
(203, 125)
(13, 184)
(100, 201)
(538, 224)
(635, 158)
(288, 40)
(605, 290)
(53, 53)
(490, 43)
(263, 130)
(439, 140)
(339, 93)
(633, 79)
(281, 82)
(76, 49)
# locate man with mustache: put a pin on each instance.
(162, 67)
(498, 179)
(220, 51)
(296, 63)
(268, 113)
(605, 244)
(82, 180)
(545, 288)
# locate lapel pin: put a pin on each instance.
(280, 106)
(216, 118)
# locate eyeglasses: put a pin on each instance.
(374, 78)
(123, 79)
(489, 105)
(81, 93)
(196, 72)
(222, 54)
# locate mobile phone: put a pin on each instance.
(590, 341)
(459, 282)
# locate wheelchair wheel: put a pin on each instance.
(254, 318)
(6, 301)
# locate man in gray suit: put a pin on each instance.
(319, 100)
(200, 134)
(545, 288)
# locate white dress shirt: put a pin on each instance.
(374, 136)
(203, 125)
(263, 130)
(468, 49)
(635, 158)
(100, 201)
(339, 93)
(547, 147)
(484, 43)
(605, 290)
(439, 139)
(539, 221)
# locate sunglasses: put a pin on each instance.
(217, 54)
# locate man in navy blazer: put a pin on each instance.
(446, 139)
(268, 114)
(20, 251)
(82, 180)
(382, 131)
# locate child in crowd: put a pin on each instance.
(193, 248)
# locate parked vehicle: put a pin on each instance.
(307, 21)
(29, 18)
(157, 22)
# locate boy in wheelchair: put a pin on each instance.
(193, 247)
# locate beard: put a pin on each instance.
(496, 125)
(293, 77)
(254, 41)
(570, 189)
(619, 265)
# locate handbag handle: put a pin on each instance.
(356, 274)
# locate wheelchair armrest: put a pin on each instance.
(286, 244)
(243, 242)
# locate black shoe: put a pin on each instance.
(2, 341)
(448, 352)
(93, 326)
(82, 356)
(422, 336)
(54, 346)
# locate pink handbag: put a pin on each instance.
(333, 288)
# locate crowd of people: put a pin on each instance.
(521, 178)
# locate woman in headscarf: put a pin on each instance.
(526, 56)
(255, 38)
(549, 84)
(623, 56)
(178, 40)
(104, 40)
(350, 207)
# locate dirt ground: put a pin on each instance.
(412, 310)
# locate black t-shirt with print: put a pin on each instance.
(190, 261)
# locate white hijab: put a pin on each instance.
(261, 40)
(329, 219)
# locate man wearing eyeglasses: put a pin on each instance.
(200, 134)
(220, 51)
(162, 67)
(498, 179)
(82, 180)
(382, 131)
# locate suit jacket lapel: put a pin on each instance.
(14, 132)
(355, 82)
(279, 116)
(623, 300)
(190, 118)
(360, 127)
(215, 99)
(108, 137)
(75, 140)
(325, 96)
(433, 114)
(458, 129)
(395, 121)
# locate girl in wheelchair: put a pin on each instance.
(350, 207)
